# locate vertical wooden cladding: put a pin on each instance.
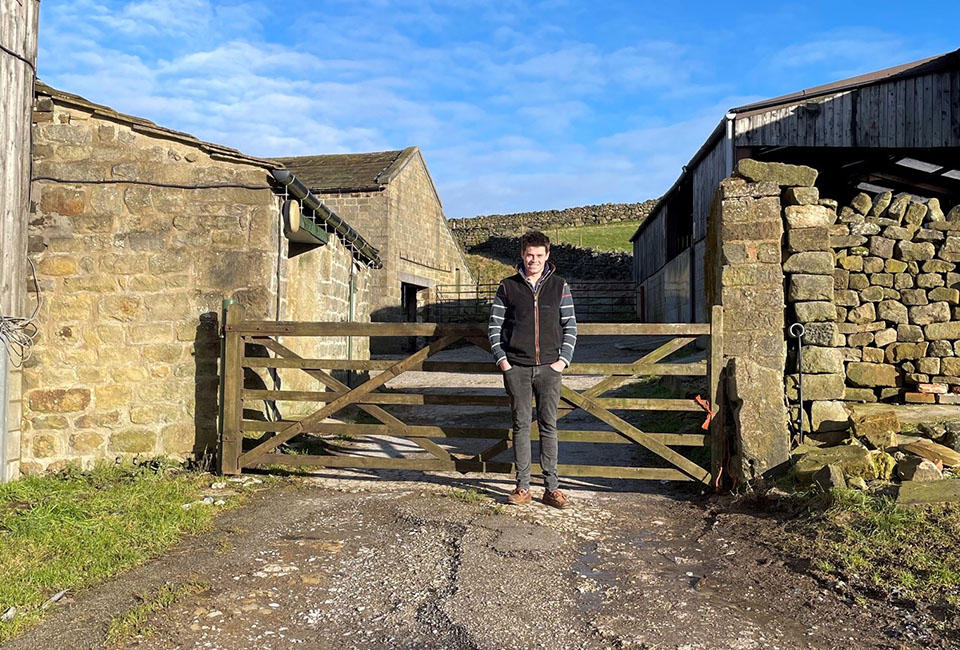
(706, 177)
(921, 111)
(650, 252)
(18, 33)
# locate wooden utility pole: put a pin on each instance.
(18, 59)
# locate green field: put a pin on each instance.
(607, 237)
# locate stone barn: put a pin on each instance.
(391, 200)
(137, 234)
(893, 130)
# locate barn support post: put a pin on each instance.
(18, 36)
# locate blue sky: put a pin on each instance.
(517, 105)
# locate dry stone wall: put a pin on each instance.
(471, 231)
(876, 286)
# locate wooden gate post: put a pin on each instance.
(716, 394)
(231, 436)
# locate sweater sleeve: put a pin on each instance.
(497, 312)
(568, 321)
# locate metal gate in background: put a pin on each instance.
(596, 302)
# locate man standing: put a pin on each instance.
(532, 332)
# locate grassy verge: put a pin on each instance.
(882, 549)
(75, 529)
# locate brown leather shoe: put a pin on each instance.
(555, 499)
(519, 497)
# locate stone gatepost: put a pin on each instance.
(745, 276)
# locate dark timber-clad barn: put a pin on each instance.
(896, 129)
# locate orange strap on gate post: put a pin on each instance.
(705, 405)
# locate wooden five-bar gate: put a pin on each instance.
(247, 443)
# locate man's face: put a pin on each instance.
(534, 258)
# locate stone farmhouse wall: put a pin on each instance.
(133, 261)
(476, 230)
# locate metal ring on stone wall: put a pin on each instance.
(797, 330)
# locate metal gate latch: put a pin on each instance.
(705, 405)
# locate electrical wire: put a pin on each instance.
(19, 334)
(175, 186)
(21, 58)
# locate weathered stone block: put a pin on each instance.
(940, 349)
(873, 264)
(915, 214)
(897, 232)
(881, 280)
(879, 430)
(881, 247)
(880, 203)
(810, 287)
(801, 196)
(892, 312)
(808, 239)
(846, 297)
(858, 281)
(903, 281)
(909, 333)
(850, 262)
(823, 334)
(846, 241)
(929, 365)
(913, 297)
(809, 312)
(938, 266)
(950, 296)
(937, 312)
(860, 395)
(885, 337)
(841, 279)
(864, 228)
(872, 355)
(809, 216)
(915, 252)
(942, 331)
(898, 352)
(914, 468)
(930, 280)
(819, 360)
(59, 400)
(823, 386)
(950, 366)
(853, 461)
(862, 203)
(860, 339)
(925, 234)
(779, 173)
(871, 374)
(811, 262)
(826, 416)
(762, 440)
(865, 313)
(895, 266)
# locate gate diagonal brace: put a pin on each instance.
(254, 455)
(631, 432)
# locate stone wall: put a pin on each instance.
(745, 276)
(475, 230)
(876, 288)
(133, 262)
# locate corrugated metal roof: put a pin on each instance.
(355, 172)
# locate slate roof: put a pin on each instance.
(355, 172)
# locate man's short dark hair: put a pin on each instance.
(534, 238)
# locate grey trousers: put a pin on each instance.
(523, 383)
